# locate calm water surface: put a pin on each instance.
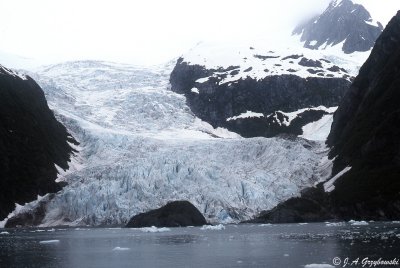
(283, 245)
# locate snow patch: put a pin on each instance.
(267, 59)
(22, 209)
(318, 130)
(290, 116)
(195, 90)
(372, 22)
(202, 80)
(328, 186)
(247, 114)
(15, 74)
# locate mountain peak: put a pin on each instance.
(344, 22)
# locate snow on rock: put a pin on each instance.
(141, 147)
(4, 70)
(319, 130)
(23, 208)
(213, 227)
(328, 186)
(247, 114)
(238, 61)
(311, 130)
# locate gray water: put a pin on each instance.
(283, 245)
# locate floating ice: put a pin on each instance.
(49, 242)
(353, 222)
(4, 233)
(265, 225)
(120, 249)
(314, 265)
(213, 227)
(154, 229)
(335, 224)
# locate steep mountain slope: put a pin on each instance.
(141, 147)
(365, 130)
(365, 145)
(255, 91)
(343, 22)
(260, 90)
(32, 142)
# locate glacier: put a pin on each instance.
(141, 147)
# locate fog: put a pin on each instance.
(147, 32)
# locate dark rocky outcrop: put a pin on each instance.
(310, 207)
(174, 214)
(364, 136)
(215, 103)
(32, 141)
(31, 217)
(366, 128)
(343, 21)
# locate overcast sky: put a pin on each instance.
(148, 31)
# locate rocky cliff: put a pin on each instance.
(284, 98)
(32, 142)
(365, 146)
(344, 23)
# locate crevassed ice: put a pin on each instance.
(141, 147)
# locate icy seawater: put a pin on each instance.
(263, 245)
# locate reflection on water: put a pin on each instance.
(286, 245)
(177, 239)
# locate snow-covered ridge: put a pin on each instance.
(344, 22)
(238, 61)
(142, 147)
(4, 70)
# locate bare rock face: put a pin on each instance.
(220, 103)
(343, 21)
(174, 214)
(366, 128)
(365, 136)
(32, 142)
